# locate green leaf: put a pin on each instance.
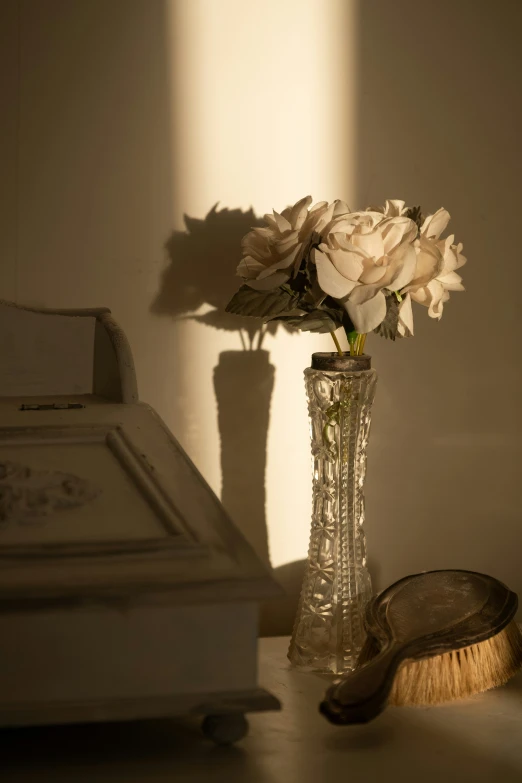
(298, 284)
(290, 320)
(415, 214)
(261, 304)
(388, 328)
(348, 326)
(314, 299)
(352, 337)
(309, 265)
(320, 321)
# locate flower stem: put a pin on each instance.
(261, 336)
(352, 339)
(337, 344)
(361, 344)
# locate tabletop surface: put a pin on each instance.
(477, 740)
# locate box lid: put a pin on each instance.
(98, 501)
(101, 502)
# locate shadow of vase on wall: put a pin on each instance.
(243, 384)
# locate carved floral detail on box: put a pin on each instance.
(30, 496)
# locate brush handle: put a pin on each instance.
(361, 695)
(420, 616)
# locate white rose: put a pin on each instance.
(272, 254)
(393, 208)
(437, 260)
(405, 322)
(365, 253)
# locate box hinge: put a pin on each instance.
(53, 406)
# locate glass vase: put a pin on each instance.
(328, 631)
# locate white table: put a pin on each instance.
(476, 741)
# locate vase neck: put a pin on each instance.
(333, 362)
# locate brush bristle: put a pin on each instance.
(456, 674)
(459, 673)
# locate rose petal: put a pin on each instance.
(348, 263)
(344, 241)
(451, 281)
(436, 294)
(358, 222)
(368, 314)
(405, 262)
(314, 215)
(325, 219)
(312, 220)
(299, 212)
(461, 260)
(420, 295)
(394, 207)
(256, 244)
(363, 293)
(259, 250)
(260, 231)
(450, 259)
(374, 273)
(321, 205)
(340, 208)
(249, 267)
(340, 226)
(272, 222)
(397, 230)
(370, 217)
(429, 264)
(331, 281)
(282, 223)
(370, 242)
(405, 325)
(435, 224)
(435, 310)
(287, 243)
(285, 262)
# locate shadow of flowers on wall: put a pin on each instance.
(202, 271)
(202, 262)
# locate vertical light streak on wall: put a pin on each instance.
(9, 90)
(263, 98)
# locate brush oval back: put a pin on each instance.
(441, 610)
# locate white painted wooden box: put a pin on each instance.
(125, 590)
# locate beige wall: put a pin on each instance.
(87, 187)
(439, 121)
(119, 116)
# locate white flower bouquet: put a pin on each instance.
(323, 267)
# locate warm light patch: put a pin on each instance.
(263, 100)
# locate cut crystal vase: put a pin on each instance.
(328, 631)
